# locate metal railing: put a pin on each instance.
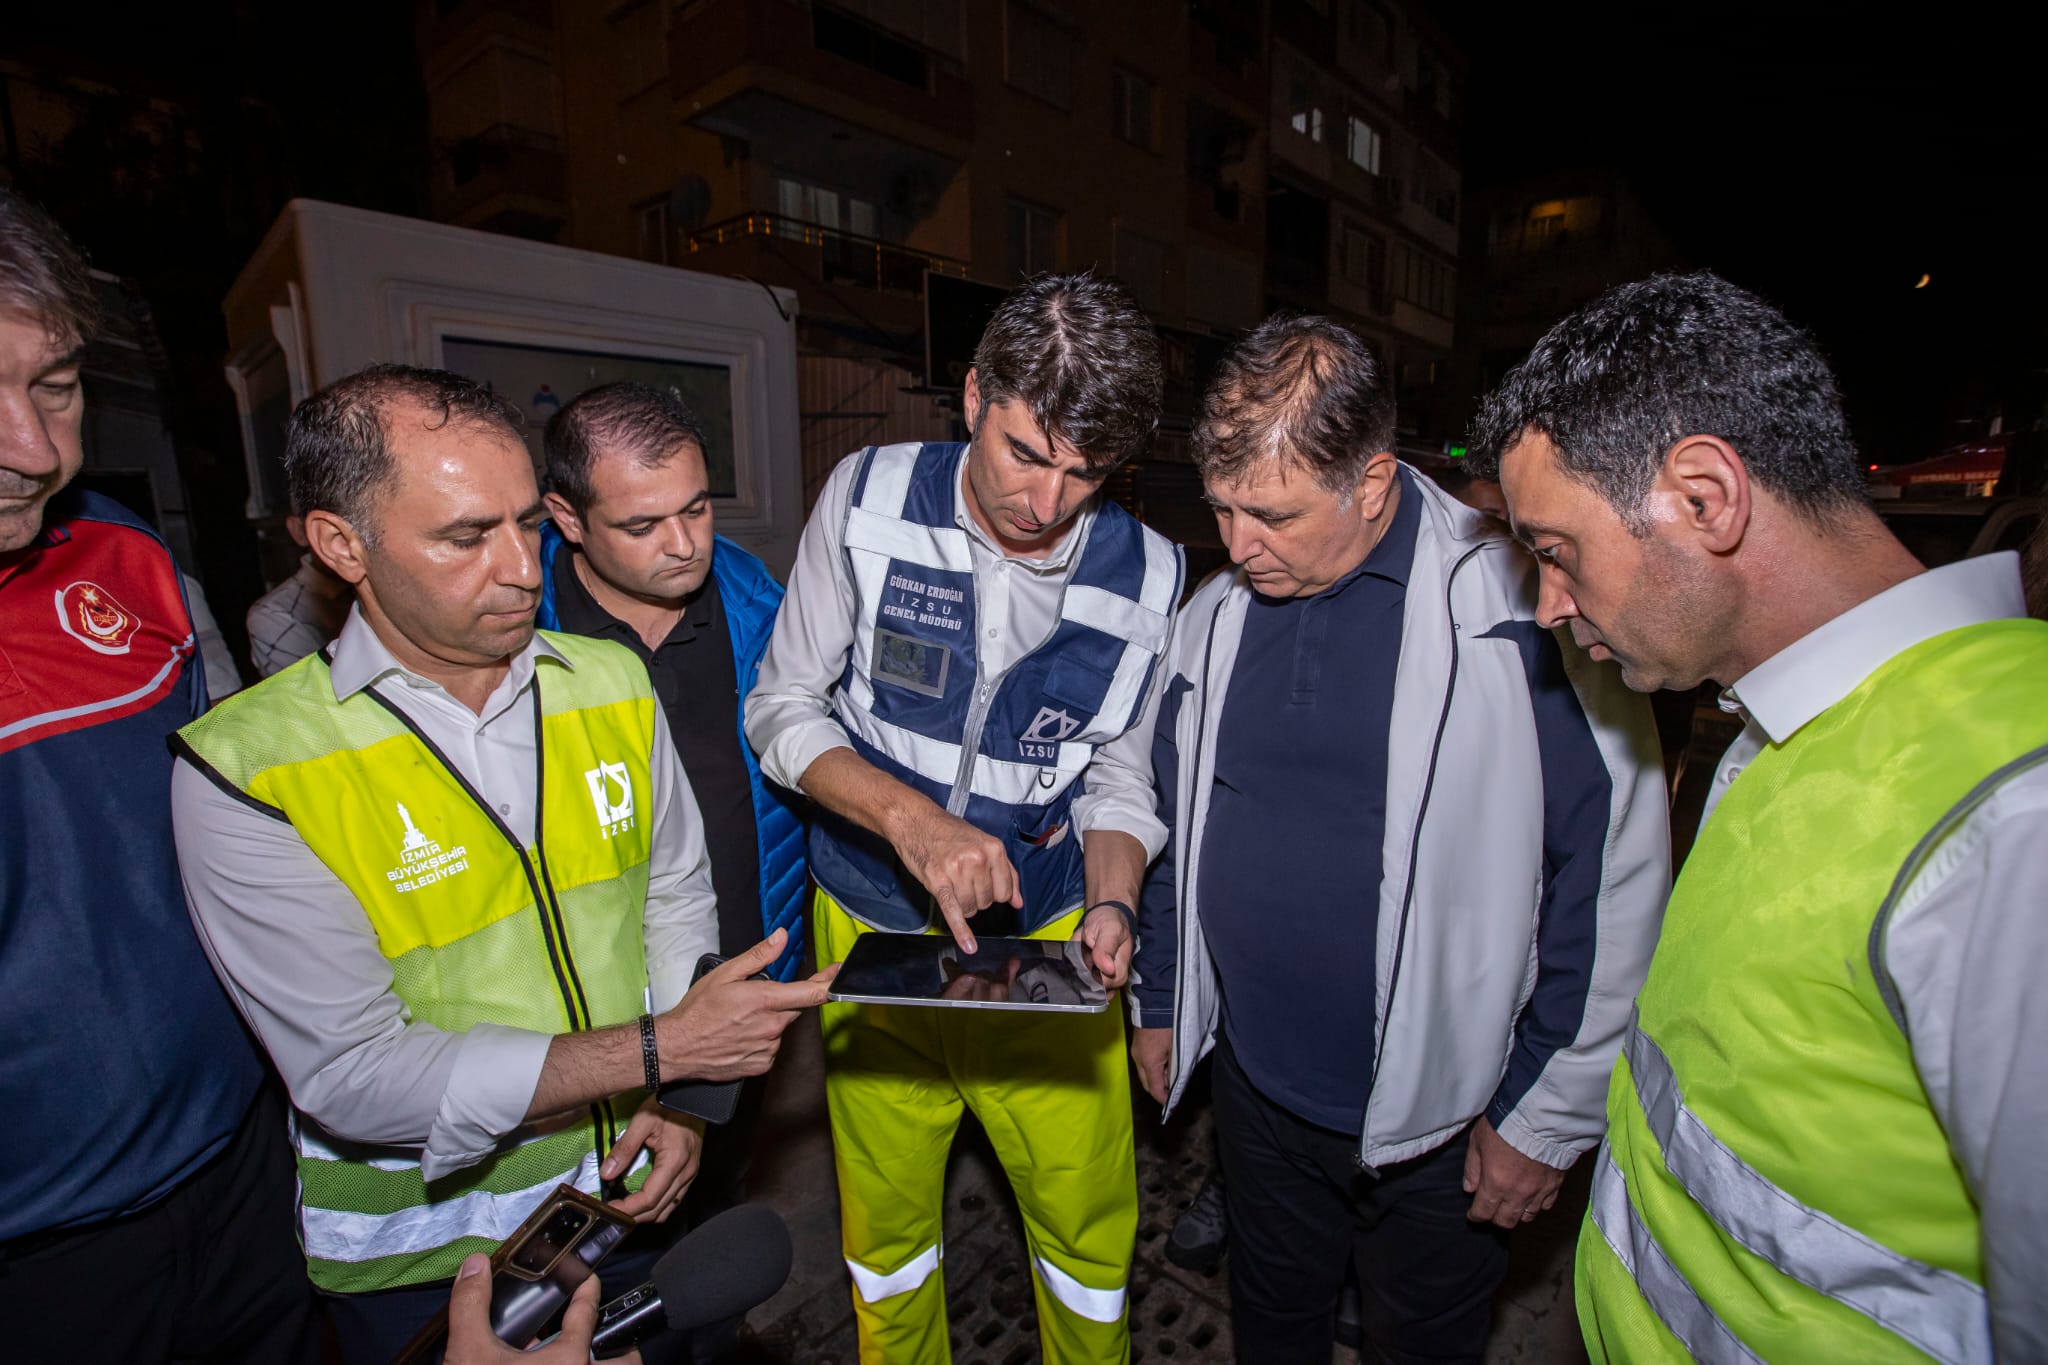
(848, 257)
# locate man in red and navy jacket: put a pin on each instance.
(146, 1193)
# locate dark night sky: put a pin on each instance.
(1826, 159)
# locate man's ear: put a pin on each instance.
(338, 545)
(1704, 487)
(970, 401)
(1375, 482)
(565, 518)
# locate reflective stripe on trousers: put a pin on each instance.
(1936, 1310)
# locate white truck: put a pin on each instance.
(334, 289)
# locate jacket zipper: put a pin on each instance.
(1187, 861)
(1415, 844)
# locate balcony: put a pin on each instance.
(849, 288)
(504, 179)
(840, 257)
(737, 66)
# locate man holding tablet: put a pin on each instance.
(963, 678)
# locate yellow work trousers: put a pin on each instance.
(1053, 1093)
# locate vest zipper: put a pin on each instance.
(554, 934)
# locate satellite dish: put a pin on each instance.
(689, 202)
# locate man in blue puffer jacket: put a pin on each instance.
(630, 555)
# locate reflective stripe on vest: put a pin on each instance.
(1768, 1116)
(1937, 1310)
(1663, 1288)
(434, 1230)
(477, 929)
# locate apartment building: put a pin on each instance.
(1223, 157)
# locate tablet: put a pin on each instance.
(1001, 974)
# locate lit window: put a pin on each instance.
(1362, 145)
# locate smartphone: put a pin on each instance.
(712, 1101)
(536, 1269)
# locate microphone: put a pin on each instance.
(718, 1271)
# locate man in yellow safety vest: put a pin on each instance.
(1823, 1132)
(452, 874)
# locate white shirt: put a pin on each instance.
(789, 716)
(301, 962)
(1968, 933)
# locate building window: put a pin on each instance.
(1362, 143)
(655, 239)
(1034, 239)
(801, 206)
(1426, 282)
(1304, 115)
(1134, 109)
(1370, 28)
(1141, 265)
(1365, 257)
(850, 36)
(1039, 53)
(1435, 187)
(933, 24)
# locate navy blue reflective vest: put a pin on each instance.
(1001, 750)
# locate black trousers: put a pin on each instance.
(1300, 1210)
(211, 1272)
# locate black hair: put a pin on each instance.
(43, 275)
(1615, 385)
(635, 420)
(337, 451)
(1299, 387)
(1080, 354)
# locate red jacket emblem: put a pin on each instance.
(90, 615)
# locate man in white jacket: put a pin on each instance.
(1418, 861)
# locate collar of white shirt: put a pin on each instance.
(1811, 674)
(1052, 562)
(360, 659)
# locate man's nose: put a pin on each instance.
(1044, 496)
(682, 539)
(1554, 604)
(519, 559)
(1240, 537)
(25, 445)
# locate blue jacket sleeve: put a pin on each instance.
(1153, 965)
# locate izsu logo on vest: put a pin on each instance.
(1041, 738)
(611, 795)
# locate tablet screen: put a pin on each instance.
(1002, 973)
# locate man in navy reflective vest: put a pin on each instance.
(964, 678)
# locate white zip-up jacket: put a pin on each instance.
(1513, 930)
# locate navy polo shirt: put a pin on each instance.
(1290, 869)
